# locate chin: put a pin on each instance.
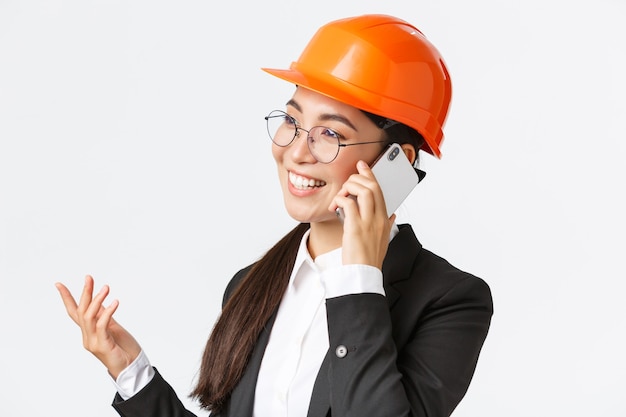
(308, 217)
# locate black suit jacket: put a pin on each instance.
(410, 353)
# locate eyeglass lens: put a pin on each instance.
(283, 129)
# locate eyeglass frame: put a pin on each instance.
(299, 128)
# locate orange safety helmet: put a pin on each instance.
(380, 64)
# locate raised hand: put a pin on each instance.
(366, 226)
(115, 347)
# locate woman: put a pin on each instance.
(342, 318)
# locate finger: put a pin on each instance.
(357, 200)
(351, 188)
(88, 321)
(364, 169)
(363, 176)
(104, 319)
(97, 302)
(367, 179)
(85, 297)
(95, 309)
(347, 203)
(368, 196)
(96, 339)
(68, 301)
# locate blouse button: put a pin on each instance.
(341, 351)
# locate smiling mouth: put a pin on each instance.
(303, 183)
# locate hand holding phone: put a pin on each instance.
(395, 175)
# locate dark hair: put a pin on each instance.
(243, 317)
(397, 132)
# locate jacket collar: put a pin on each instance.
(401, 255)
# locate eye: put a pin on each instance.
(329, 134)
(289, 121)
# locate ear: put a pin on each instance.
(409, 151)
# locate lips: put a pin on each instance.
(304, 183)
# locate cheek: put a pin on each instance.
(345, 164)
(342, 174)
(277, 153)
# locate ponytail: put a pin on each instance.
(243, 317)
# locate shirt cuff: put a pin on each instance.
(136, 376)
(352, 279)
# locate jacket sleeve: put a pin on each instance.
(157, 399)
(413, 361)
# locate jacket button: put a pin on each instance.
(341, 351)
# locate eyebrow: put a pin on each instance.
(325, 116)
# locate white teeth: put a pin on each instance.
(303, 183)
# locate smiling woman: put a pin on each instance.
(297, 163)
(351, 318)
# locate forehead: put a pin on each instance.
(320, 107)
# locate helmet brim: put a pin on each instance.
(362, 99)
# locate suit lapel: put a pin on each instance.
(320, 400)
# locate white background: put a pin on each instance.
(132, 147)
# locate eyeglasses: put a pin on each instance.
(324, 143)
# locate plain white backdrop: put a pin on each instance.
(132, 148)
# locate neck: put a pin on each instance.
(324, 237)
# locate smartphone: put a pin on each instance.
(395, 175)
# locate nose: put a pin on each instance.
(299, 148)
